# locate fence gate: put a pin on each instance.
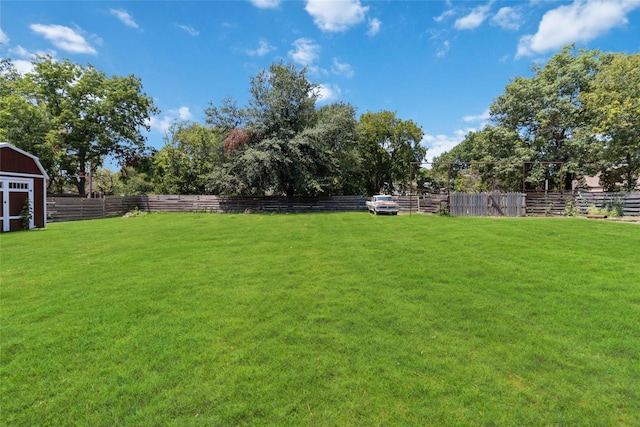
(487, 204)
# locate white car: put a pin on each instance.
(383, 204)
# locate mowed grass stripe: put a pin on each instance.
(324, 319)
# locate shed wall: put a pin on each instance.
(39, 202)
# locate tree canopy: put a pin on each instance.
(279, 143)
(184, 165)
(282, 143)
(546, 111)
(613, 108)
(579, 109)
(388, 145)
(80, 116)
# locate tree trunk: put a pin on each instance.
(630, 183)
(568, 181)
(81, 179)
(81, 185)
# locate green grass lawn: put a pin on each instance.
(325, 319)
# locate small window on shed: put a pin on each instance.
(19, 185)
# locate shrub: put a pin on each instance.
(26, 215)
(571, 209)
(615, 207)
(594, 210)
(135, 212)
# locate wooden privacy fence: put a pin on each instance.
(556, 203)
(238, 204)
(69, 209)
(511, 204)
(629, 203)
(487, 204)
(548, 204)
(424, 203)
(531, 203)
(481, 204)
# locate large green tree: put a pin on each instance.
(546, 111)
(24, 123)
(280, 143)
(82, 116)
(336, 125)
(613, 104)
(185, 164)
(489, 159)
(388, 145)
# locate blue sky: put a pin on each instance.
(438, 63)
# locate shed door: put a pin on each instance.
(15, 193)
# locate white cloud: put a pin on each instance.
(447, 13)
(266, 4)
(439, 144)
(336, 16)
(342, 69)
(189, 29)
(374, 27)
(328, 92)
(22, 52)
(508, 18)
(263, 48)
(481, 118)
(580, 21)
(4, 38)
(163, 123)
(184, 113)
(64, 38)
(474, 19)
(124, 17)
(444, 49)
(24, 65)
(160, 124)
(305, 53)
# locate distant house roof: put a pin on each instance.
(592, 183)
